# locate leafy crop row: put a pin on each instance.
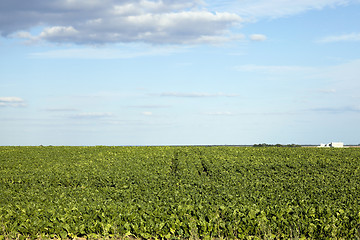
(179, 192)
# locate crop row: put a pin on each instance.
(179, 192)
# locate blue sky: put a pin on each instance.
(142, 72)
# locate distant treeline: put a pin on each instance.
(275, 145)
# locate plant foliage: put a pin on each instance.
(179, 192)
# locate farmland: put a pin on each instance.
(179, 192)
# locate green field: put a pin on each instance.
(179, 192)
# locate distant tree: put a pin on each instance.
(276, 145)
(262, 145)
(293, 145)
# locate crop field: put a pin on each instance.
(179, 193)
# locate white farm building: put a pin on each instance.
(333, 144)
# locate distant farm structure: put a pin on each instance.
(333, 145)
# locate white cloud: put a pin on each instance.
(29, 39)
(271, 68)
(12, 102)
(108, 53)
(328, 90)
(11, 99)
(255, 9)
(220, 113)
(61, 109)
(59, 33)
(150, 106)
(196, 95)
(144, 6)
(91, 115)
(218, 39)
(147, 113)
(338, 110)
(258, 37)
(352, 37)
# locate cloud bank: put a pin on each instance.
(110, 21)
(149, 21)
